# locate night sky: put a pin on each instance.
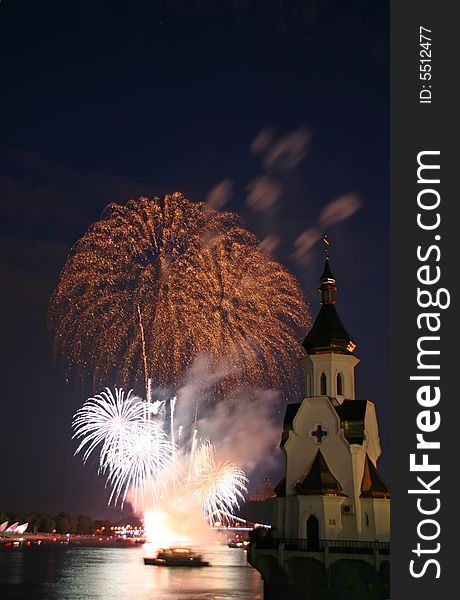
(279, 109)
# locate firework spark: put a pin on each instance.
(105, 420)
(139, 464)
(139, 457)
(194, 279)
(217, 487)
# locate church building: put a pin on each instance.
(331, 489)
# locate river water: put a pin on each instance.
(55, 572)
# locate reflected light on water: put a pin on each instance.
(77, 573)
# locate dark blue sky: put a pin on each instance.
(103, 101)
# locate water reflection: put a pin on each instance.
(76, 573)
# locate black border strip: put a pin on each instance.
(417, 127)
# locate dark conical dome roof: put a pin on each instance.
(319, 480)
(372, 485)
(328, 333)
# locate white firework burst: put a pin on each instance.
(139, 457)
(140, 464)
(133, 450)
(217, 487)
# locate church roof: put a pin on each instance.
(291, 411)
(372, 486)
(352, 414)
(318, 481)
(280, 488)
(327, 273)
(328, 333)
(352, 410)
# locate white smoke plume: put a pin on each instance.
(246, 432)
(243, 431)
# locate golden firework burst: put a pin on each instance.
(157, 282)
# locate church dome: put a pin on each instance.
(328, 333)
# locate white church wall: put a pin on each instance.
(375, 519)
(372, 439)
(382, 518)
(278, 512)
(292, 517)
(302, 447)
(358, 456)
(330, 365)
(311, 505)
(333, 517)
(349, 527)
(368, 519)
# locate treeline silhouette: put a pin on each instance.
(61, 523)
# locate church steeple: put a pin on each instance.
(331, 488)
(328, 335)
(327, 281)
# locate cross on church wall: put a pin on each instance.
(319, 433)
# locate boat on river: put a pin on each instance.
(238, 543)
(176, 557)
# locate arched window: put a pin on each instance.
(339, 385)
(322, 384)
(312, 533)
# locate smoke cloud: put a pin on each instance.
(264, 193)
(269, 244)
(243, 431)
(279, 154)
(218, 197)
(334, 212)
(303, 245)
(289, 150)
(262, 140)
(283, 152)
(340, 209)
(247, 432)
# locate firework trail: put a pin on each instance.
(157, 282)
(139, 457)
